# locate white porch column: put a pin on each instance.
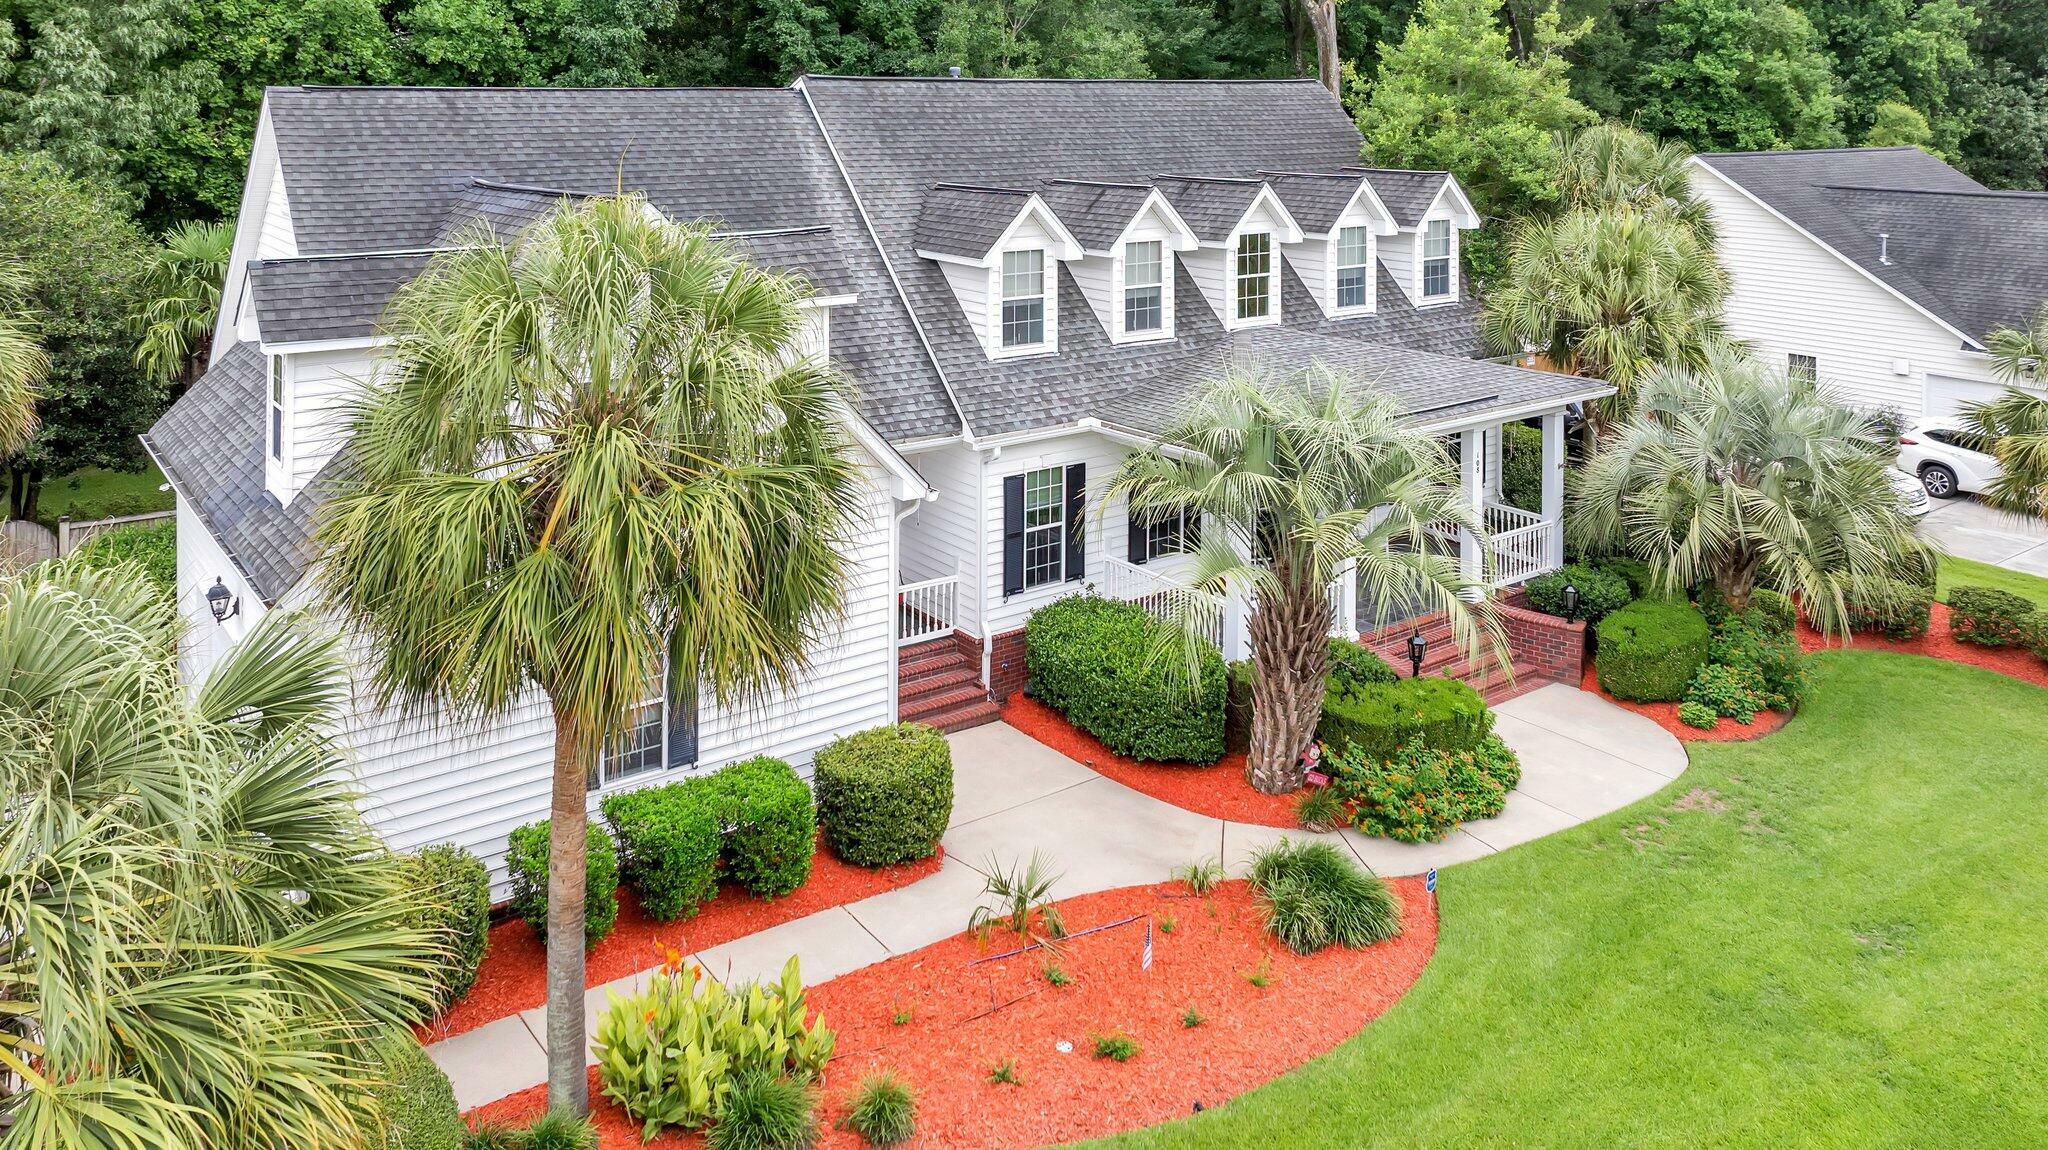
(1472, 484)
(1494, 439)
(1553, 488)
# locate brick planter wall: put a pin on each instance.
(1557, 648)
(1006, 665)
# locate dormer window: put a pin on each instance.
(1436, 260)
(1354, 260)
(276, 421)
(1144, 287)
(1023, 299)
(1253, 277)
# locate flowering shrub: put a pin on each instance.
(1736, 692)
(1421, 792)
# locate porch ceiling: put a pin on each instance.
(1438, 391)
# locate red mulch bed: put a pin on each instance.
(1250, 1034)
(514, 974)
(1219, 791)
(1665, 715)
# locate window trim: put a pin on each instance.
(1809, 371)
(1185, 543)
(1057, 527)
(1238, 279)
(1047, 303)
(1337, 269)
(670, 695)
(1162, 284)
(277, 414)
(1423, 260)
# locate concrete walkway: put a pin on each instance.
(1581, 757)
(1967, 529)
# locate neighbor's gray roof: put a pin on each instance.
(1315, 199)
(376, 169)
(1973, 257)
(1096, 212)
(966, 220)
(327, 297)
(210, 444)
(1406, 193)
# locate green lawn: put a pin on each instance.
(1834, 937)
(1954, 571)
(95, 493)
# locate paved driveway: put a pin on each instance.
(1967, 529)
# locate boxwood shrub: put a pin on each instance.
(1987, 616)
(414, 1100)
(527, 861)
(1102, 664)
(1374, 720)
(1354, 663)
(1900, 610)
(668, 846)
(770, 825)
(1649, 650)
(1600, 592)
(1641, 584)
(451, 900)
(885, 795)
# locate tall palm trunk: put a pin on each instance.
(1291, 658)
(568, 831)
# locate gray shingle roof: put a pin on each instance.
(210, 444)
(1097, 213)
(966, 220)
(1973, 257)
(1407, 194)
(376, 169)
(815, 253)
(1315, 199)
(327, 297)
(509, 209)
(1210, 205)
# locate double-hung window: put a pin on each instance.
(1354, 247)
(1254, 275)
(276, 420)
(1436, 259)
(1023, 298)
(1144, 286)
(1168, 534)
(1045, 527)
(660, 733)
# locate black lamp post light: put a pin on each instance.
(1417, 648)
(1571, 600)
(224, 604)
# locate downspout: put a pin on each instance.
(895, 607)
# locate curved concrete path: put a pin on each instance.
(1581, 757)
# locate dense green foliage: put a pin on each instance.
(452, 903)
(1521, 466)
(1649, 651)
(1375, 720)
(1987, 616)
(415, 1100)
(153, 547)
(1899, 611)
(883, 1110)
(1420, 793)
(1601, 592)
(885, 795)
(668, 847)
(527, 861)
(756, 817)
(1315, 895)
(1352, 663)
(1113, 671)
(1845, 921)
(765, 1112)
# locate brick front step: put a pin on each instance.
(938, 684)
(960, 717)
(932, 682)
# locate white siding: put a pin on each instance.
(1400, 253)
(1095, 275)
(322, 385)
(943, 536)
(1312, 261)
(971, 288)
(1791, 296)
(276, 239)
(262, 228)
(200, 562)
(1209, 268)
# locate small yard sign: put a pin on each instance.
(1429, 881)
(1146, 961)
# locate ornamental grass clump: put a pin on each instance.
(883, 1110)
(1012, 897)
(556, 1130)
(765, 1111)
(1314, 897)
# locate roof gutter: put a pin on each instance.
(234, 560)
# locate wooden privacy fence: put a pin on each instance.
(73, 534)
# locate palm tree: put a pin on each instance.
(180, 299)
(593, 455)
(1612, 165)
(1743, 477)
(199, 938)
(1608, 293)
(23, 364)
(2016, 423)
(1294, 480)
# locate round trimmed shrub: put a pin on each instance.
(1352, 662)
(668, 846)
(1116, 673)
(771, 825)
(414, 1099)
(1900, 610)
(1633, 571)
(1600, 592)
(1649, 651)
(452, 901)
(1374, 720)
(527, 861)
(886, 794)
(1987, 616)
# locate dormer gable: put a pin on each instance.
(1241, 225)
(1131, 237)
(1342, 219)
(1000, 250)
(1430, 210)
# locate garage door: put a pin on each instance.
(1946, 397)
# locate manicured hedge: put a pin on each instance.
(414, 1100)
(1354, 663)
(1374, 720)
(1641, 584)
(1600, 592)
(1105, 666)
(885, 795)
(1987, 616)
(1899, 609)
(668, 846)
(451, 900)
(527, 860)
(771, 825)
(2034, 633)
(1649, 650)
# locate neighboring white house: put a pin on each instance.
(1023, 279)
(1881, 270)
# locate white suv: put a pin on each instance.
(1944, 457)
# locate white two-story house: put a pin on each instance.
(1024, 280)
(1879, 270)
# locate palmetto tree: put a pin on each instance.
(1743, 477)
(2016, 422)
(1608, 293)
(180, 299)
(199, 938)
(1611, 165)
(594, 453)
(22, 366)
(1294, 479)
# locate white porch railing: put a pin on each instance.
(1521, 553)
(927, 610)
(1164, 598)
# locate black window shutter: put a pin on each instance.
(1191, 536)
(1013, 534)
(1077, 482)
(682, 718)
(1134, 542)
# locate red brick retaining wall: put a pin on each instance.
(1555, 647)
(1006, 665)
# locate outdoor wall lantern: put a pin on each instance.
(222, 602)
(1417, 648)
(1571, 600)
